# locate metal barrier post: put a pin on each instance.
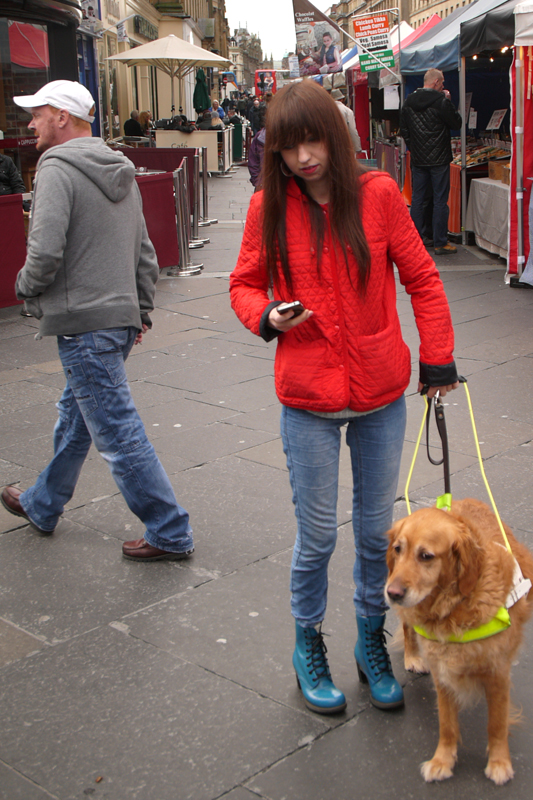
(205, 194)
(196, 201)
(193, 245)
(187, 267)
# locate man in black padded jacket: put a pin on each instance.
(426, 119)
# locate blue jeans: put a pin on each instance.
(97, 406)
(312, 447)
(439, 180)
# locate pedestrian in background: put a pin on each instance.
(327, 234)
(256, 115)
(132, 126)
(257, 152)
(349, 118)
(10, 178)
(145, 121)
(426, 120)
(89, 277)
(218, 108)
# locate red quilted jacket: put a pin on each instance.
(350, 353)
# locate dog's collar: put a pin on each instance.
(500, 622)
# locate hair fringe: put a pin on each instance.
(297, 111)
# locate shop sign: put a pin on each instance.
(145, 28)
(372, 34)
(122, 33)
(19, 141)
(294, 67)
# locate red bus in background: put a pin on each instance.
(265, 81)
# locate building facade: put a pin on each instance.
(415, 12)
(247, 55)
(421, 10)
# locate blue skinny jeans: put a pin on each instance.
(312, 447)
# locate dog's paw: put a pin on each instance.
(436, 770)
(415, 664)
(500, 771)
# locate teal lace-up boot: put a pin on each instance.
(373, 663)
(312, 672)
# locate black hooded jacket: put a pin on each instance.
(426, 119)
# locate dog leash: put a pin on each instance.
(444, 501)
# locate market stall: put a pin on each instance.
(441, 49)
(488, 35)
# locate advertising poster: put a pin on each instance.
(265, 81)
(318, 40)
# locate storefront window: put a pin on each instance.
(24, 68)
(108, 87)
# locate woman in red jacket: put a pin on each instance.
(326, 234)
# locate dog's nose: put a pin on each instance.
(395, 592)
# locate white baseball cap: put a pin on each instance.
(68, 95)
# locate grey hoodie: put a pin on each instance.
(90, 264)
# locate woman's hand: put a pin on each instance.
(442, 390)
(284, 322)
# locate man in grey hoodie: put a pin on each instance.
(89, 277)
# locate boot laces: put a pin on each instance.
(378, 657)
(316, 657)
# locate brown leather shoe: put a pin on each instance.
(445, 250)
(140, 550)
(10, 500)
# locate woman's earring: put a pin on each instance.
(282, 164)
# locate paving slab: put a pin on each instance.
(246, 396)
(224, 626)
(149, 724)
(24, 350)
(376, 754)
(224, 372)
(60, 586)
(25, 395)
(14, 786)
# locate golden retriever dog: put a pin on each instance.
(450, 572)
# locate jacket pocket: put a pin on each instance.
(384, 357)
(81, 388)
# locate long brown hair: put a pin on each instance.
(297, 111)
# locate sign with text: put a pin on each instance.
(372, 34)
(318, 40)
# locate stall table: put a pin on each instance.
(487, 214)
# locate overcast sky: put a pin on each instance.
(271, 20)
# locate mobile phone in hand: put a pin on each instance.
(295, 306)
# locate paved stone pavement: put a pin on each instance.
(173, 681)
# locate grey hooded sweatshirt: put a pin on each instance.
(90, 264)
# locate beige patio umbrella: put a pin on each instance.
(172, 55)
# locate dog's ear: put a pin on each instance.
(469, 559)
(392, 534)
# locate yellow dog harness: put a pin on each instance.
(500, 622)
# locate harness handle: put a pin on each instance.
(443, 433)
(444, 501)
